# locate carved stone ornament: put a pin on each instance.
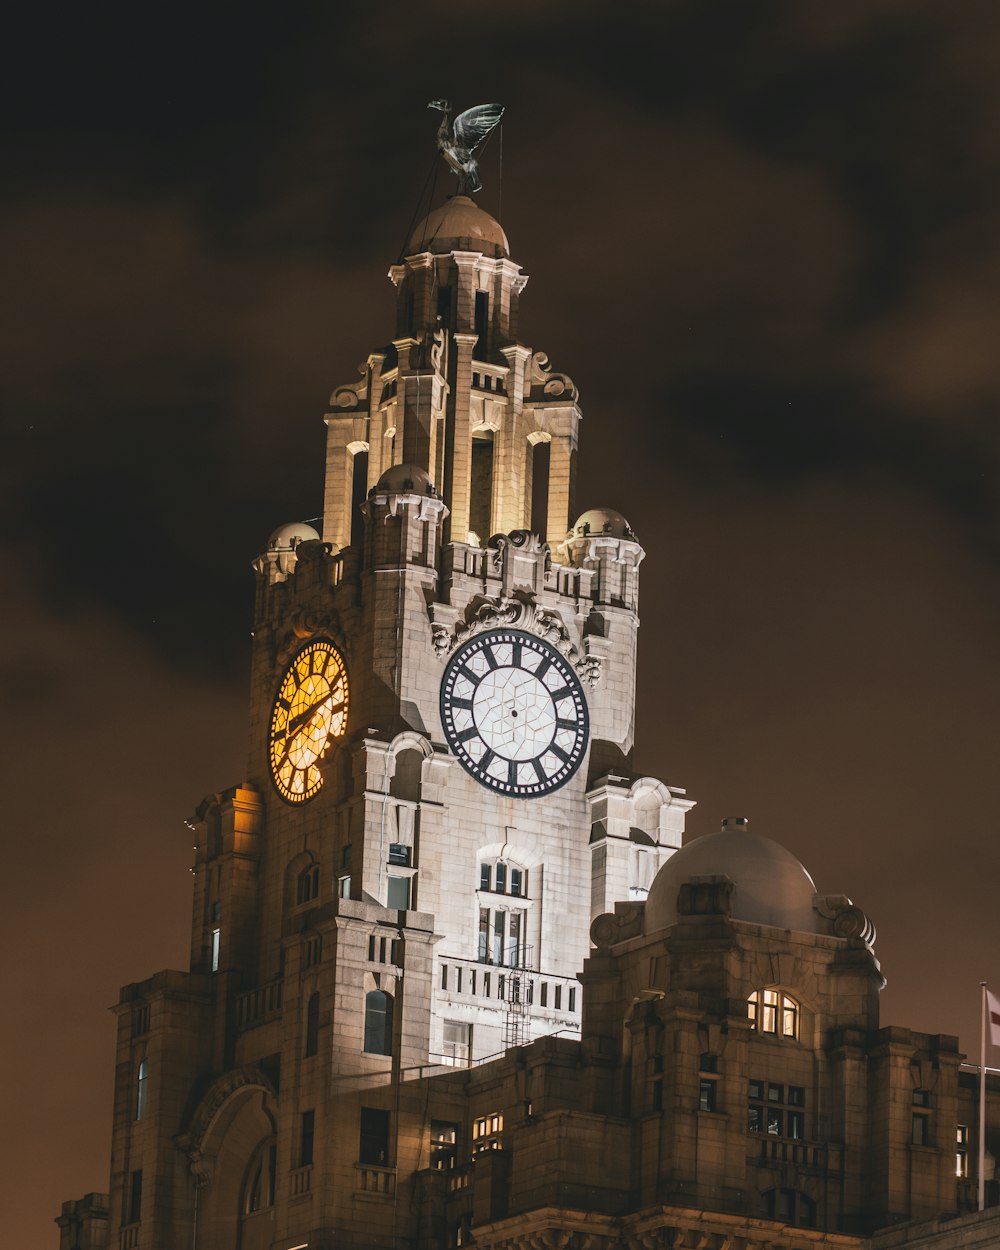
(496, 612)
(846, 919)
(521, 540)
(556, 385)
(305, 623)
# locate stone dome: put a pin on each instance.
(405, 479)
(602, 521)
(290, 535)
(458, 225)
(771, 886)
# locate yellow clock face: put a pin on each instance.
(310, 710)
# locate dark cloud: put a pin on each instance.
(764, 241)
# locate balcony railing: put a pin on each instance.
(301, 1181)
(128, 1238)
(766, 1148)
(376, 1180)
(257, 1006)
(469, 980)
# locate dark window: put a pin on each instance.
(444, 306)
(374, 1144)
(921, 1098)
(260, 1187)
(795, 1125)
(312, 1025)
(790, 1207)
(755, 1119)
(501, 878)
(775, 1093)
(769, 1110)
(481, 324)
(345, 858)
(399, 854)
(135, 1197)
(141, 1086)
(359, 492)
(516, 882)
(378, 1023)
(920, 1130)
(307, 1135)
(307, 886)
(796, 1096)
(540, 459)
(706, 1095)
(757, 1090)
(708, 1063)
(444, 1145)
(484, 877)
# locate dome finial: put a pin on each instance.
(458, 142)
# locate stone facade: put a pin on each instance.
(423, 1010)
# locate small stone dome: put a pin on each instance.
(405, 479)
(602, 521)
(290, 535)
(458, 225)
(772, 887)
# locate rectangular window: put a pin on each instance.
(706, 1095)
(517, 882)
(457, 1042)
(141, 1084)
(216, 912)
(374, 1144)
(399, 854)
(482, 310)
(775, 1093)
(140, 1020)
(920, 1129)
(444, 1145)
(444, 976)
(795, 1125)
(545, 993)
(345, 858)
(307, 1136)
(558, 1003)
(484, 934)
(774, 1122)
(962, 1151)
(216, 948)
(135, 1197)
(514, 940)
(499, 925)
(398, 893)
(921, 1098)
(572, 998)
(487, 1132)
(796, 1096)
(501, 878)
(757, 1090)
(484, 877)
(755, 1119)
(344, 886)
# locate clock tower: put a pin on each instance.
(438, 798)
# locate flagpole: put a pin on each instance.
(982, 1106)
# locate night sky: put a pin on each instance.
(763, 239)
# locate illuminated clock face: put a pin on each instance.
(310, 710)
(514, 713)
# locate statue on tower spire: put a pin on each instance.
(458, 142)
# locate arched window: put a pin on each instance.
(312, 1025)
(141, 1083)
(378, 1023)
(258, 1192)
(774, 1012)
(307, 885)
(503, 914)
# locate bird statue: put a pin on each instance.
(458, 142)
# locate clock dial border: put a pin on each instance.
(456, 735)
(332, 671)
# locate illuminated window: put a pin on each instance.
(141, 1081)
(307, 885)
(216, 948)
(962, 1151)
(444, 1145)
(487, 1132)
(708, 1079)
(378, 1023)
(773, 1012)
(344, 886)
